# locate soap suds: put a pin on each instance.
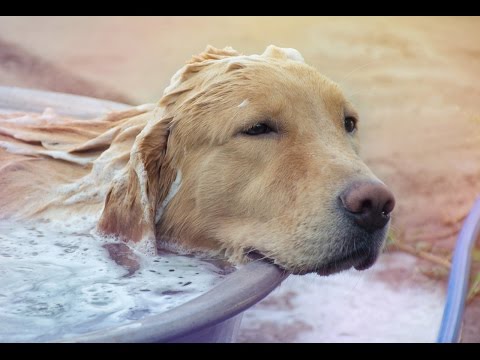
(57, 282)
(243, 103)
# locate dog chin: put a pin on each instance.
(359, 261)
(361, 257)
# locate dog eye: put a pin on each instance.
(350, 124)
(258, 129)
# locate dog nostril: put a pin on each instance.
(388, 207)
(366, 205)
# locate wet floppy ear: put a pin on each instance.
(131, 203)
(276, 52)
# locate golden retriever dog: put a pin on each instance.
(242, 155)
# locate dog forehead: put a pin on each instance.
(234, 61)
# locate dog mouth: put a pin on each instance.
(360, 259)
(255, 255)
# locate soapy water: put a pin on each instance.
(57, 282)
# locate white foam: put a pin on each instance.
(243, 103)
(62, 155)
(145, 107)
(50, 115)
(175, 81)
(57, 281)
(142, 177)
(24, 149)
(21, 120)
(352, 307)
(293, 54)
(15, 148)
(171, 193)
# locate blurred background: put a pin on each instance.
(414, 80)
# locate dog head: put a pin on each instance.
(253, 154)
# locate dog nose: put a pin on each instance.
(369, 203)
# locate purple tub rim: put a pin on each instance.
(237, 292)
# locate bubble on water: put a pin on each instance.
(137, 314)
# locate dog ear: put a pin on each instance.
(133, 200)
(131, 203)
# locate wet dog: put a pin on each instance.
(242, 154)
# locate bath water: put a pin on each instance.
(57, 281)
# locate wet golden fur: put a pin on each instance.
(274, 193)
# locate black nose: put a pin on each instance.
(369, 203)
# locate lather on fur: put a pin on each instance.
(275, 193)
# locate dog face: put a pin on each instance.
(265, 153)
